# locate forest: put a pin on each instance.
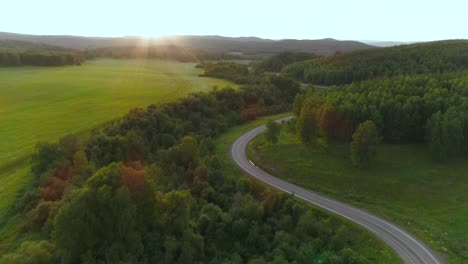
(406, 109)
(344, 68)
(162, 52)
(235, 72)
(276, 62)
(39, 58)
(149, 188)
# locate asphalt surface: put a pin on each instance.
(410, 250)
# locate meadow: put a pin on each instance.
(367, 244)
(44, 103)
(404, 185)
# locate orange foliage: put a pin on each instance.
(53, 190)
(64, 172)
(335, 123)
(133, 177)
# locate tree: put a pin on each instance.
(188, 149)
(272, 132)
(434, 134)
(40, 252)
(98, 220)
(80, 162)
(444, 133)
(364, 144)
(307, 125)
(298, 102)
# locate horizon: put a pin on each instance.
(224, 36)
(397, 21)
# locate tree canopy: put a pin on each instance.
(344, 68)
(150, 188)
(364, 144)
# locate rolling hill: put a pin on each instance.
(248, 46)
(423, 58)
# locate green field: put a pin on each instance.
(367, 244)
(42, 104)
(404, 184)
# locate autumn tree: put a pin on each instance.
(364, 144)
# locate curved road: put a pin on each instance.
(410, 250)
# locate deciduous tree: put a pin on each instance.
(364, 144)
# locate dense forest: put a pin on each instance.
(32, 58)
(405, 109)
(252, 72)
(19, 53)
(238, 73)
(149, 188)
(164, 52)
(276, 62)
(425, 58)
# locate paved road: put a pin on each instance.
(411, 250)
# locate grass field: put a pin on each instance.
(368, 245)
(430, 200)
(42, 104)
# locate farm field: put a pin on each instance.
(42, 104)
(404, 185)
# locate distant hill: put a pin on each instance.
(246, 46)
(423, 58)
(15, 45)
(264, 47)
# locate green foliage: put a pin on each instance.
(40, 252)
(10, 58)
(236, 72)
(272, 132)
(99, 220)
(403, 184)
(445, 135)
(400, 106)
(161, 52)
(189, 149)
(307, 128)
(276, 62)
(297, 105)
(179, 207)
(424, 58)
(57, 101)
(364, 144)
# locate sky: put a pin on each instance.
(392, 20)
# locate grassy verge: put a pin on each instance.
(367, 244)
(404, 185)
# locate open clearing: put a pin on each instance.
(42, 104)
(403, 185)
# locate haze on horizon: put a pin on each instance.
(398, 20)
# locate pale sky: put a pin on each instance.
(396, 20)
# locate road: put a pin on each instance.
(410, 250)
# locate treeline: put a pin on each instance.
(276, 62)
(406, 109)
(169, 52)
(251, 73)
(39, 58)
(150, 188)
(235, 72)
(426, 58)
